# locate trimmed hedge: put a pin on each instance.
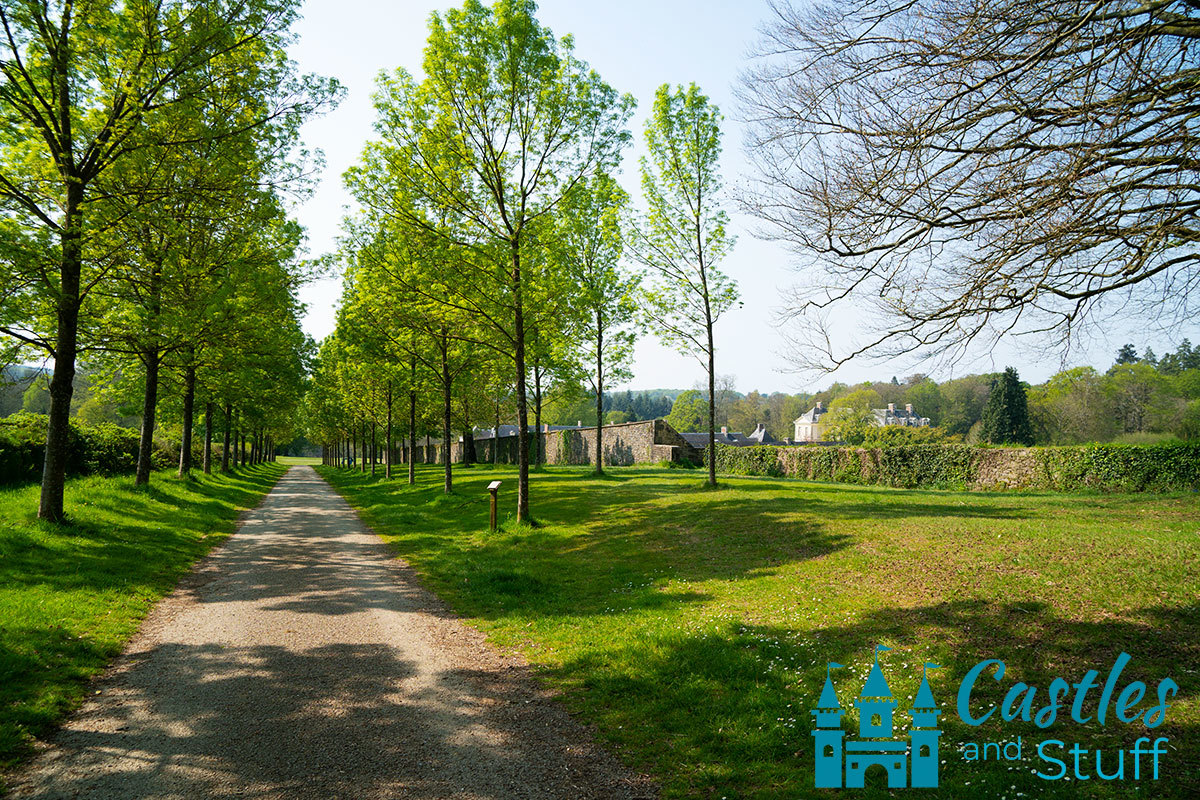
(105, 449)
(1100, 467)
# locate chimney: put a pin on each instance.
(891, 408)
(908, 407)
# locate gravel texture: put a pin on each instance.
(300, 660)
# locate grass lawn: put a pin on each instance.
(71, 596)
(692, 627)
(292, 461)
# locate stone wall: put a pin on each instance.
(629, 443)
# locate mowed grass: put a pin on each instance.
(692, 627)
(72, 595)
(292, 461)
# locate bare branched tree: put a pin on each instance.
(959, 170)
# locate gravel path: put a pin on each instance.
(301, 661)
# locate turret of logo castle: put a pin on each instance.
(911, 761)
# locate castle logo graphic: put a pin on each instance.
(875, 743)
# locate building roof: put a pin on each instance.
(812, 415)
(898, 416)
(760, 435)
(700, 438)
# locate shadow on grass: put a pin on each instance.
(106, 542)
(733, 703)
(559, 569)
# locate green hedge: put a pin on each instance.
(105, 449)
(1102, 467)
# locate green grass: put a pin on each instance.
(292, 461)
(692, 627)
(72, 595)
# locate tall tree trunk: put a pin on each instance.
(496, 438)
(446, 409)
(412, 422)
(149, 407)
(388, 464)
(540, 457)
(189, 401)
(362, 439)
(208, 434)
(522, 412)
(66, 343)
(228, 433)
(599, 390)
(712, 410)
(374, 446)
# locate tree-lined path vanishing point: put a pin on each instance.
(301, 661)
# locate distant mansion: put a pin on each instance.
(809, 427)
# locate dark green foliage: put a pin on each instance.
(1127, 354)
(1104, 467)
(1186, 357)
(643, 405)
(747, 460)
(1006, 416)
(105, 449)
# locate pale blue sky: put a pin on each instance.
(635, 46)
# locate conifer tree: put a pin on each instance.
(1006, 414)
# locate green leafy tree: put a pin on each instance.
(1072, 408)
(1005, 418)
(926, 399)
(1189, 429)
(682, 235)
(589, 236)
(689, 412)
(504, 124)
(86, 86)
(851, 416)
(963, 400)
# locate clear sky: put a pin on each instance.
(635, 46)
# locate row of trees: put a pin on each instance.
(144, 153)
(490, 261)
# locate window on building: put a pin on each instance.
(876, 720)
(923, 751)
(828, 752)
